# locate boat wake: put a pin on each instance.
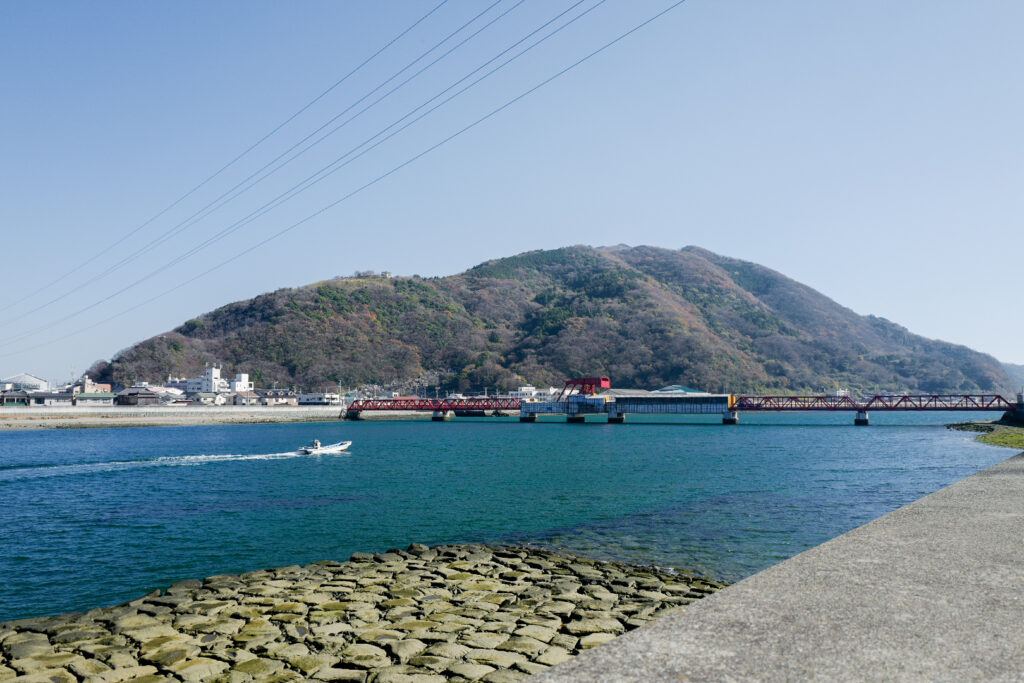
(59, 470)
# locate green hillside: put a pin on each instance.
(644, 316)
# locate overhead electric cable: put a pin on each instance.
(341, 161)
(371, 183)
(326, 171)
(130, 233)
(218, 203)
(207, 210)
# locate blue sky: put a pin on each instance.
(870, 150)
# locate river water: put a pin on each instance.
(95, 517)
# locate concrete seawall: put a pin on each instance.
(932, 591)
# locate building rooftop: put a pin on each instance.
(23, 378)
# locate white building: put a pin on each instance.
(168, 394)
(529, 392)
(24, 382)
(326, 399)
(46, 398)
(180, 383)
(212, 383)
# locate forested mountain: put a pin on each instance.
(1016, 373)
(644, 316)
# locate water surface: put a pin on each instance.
(96, 517)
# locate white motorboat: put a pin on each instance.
(316, 448)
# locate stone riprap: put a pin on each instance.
(446, 613)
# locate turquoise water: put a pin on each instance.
(99, 516)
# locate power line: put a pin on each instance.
(337, 164)
(376, 180)
(223, 168)
(216, 204)
(325, 171)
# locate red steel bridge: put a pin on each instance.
(888, 402)
(439, 406)
(443, 408)
(729, 405)
(884, 402)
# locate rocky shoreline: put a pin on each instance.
(421, 615)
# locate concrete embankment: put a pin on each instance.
(425, 615)
(933, 591)
(59, 417)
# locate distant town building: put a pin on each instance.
(278, 397)
(137, 396)
(245, 398)
(241, 383)
(209, 398)
(102, 398)
(325, 399)
(528, 392)
(24, 382)
(211, 383)
(87, 386)
(14, 397)
(168, 394)
(48, 398)
(179, 383)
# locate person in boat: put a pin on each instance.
(316, 443)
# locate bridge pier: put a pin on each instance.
(441, 416)
(1016, 414)
(529, 417)
(862, 419)
(576, 419)
(730, 417)
(353, 415)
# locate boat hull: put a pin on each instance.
(339, 447)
